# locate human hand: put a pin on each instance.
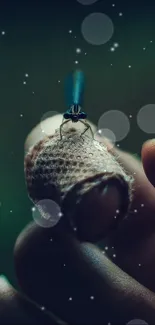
(101, 292)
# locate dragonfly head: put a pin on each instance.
(75, 118)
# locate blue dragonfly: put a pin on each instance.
(74, 93)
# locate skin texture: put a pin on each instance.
(103, 288)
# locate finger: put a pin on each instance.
(89, 289)
(132, 240)
(148, 158)
(135, 237)
(14, 309)
(143, 202)
(104, 195)
(140, 224)
(143, 191)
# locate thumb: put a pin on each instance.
(148, 159)
(76, 281)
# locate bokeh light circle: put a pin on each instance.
(44, 126)
(97, 28)
(117, 122)
(137, 322)
(87, 2)
(102, 134)
(46, 213)
(146, 118)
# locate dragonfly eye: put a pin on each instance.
(66, 116)
(82, 116)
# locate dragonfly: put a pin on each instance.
(74, 93)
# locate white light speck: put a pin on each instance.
(42, 308)
(135, 210)
(92, 297)
(113, 5)
(3, 32)
(78, 50)
(142, 205)
(26, 75)
(130, 116)
(33, 209)
(117, 211)
(112, 49)
(118, 145)
(74, 36)
(10, 211)
(104, 169)
(75, 228)
(103, 252)
(111, 64)
(85, 53)
(58, 81)
(129, 66)
(21, 115)
(51, 239)
(151, 41)
(70, 31)
(116, 45)
(120, 14)
(114, 255)
(106, 248)
(76, 62)
(70, 299)
(33, 92)
(144, 48)
(64, 264)
(24, 82)
(139, 264)
(112, 247)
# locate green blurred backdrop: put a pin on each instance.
(37, 41)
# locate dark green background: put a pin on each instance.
(37, 42)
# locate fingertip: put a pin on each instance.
(148, 159)
(148, 145)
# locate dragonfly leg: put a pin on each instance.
(88, 127)
(61, 126)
